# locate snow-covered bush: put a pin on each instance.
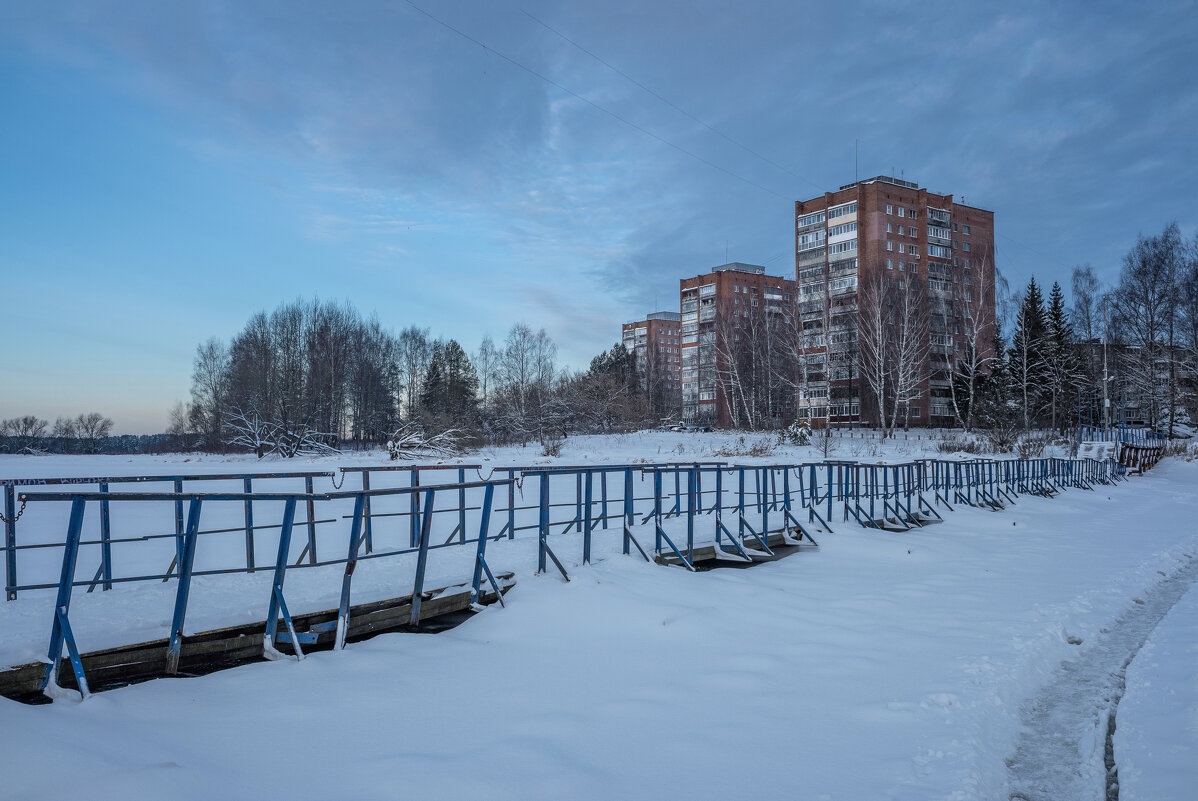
(410, 442)
(797, 433)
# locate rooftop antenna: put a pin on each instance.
(725, 251)
(855, 177)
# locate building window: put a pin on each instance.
(809, 272)
(902, 266)
(889, 245)
(811, 219)
(912, 250)
(902, 212)
(954, 226)
(889, 264)
(965, 230)
(965, 247)
(939, 251)
(839, 211)
(811, 241)
(889, 228)
(915, 411)
(889, 209)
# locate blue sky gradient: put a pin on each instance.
(168, 169)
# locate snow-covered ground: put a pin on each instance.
(881, 665)
(641, 446)
(1156, 740)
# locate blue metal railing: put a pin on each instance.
(747, 507)
(1126, 434)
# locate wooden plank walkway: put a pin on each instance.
(707, 551)
(208, 651)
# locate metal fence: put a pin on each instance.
(734, 511)
(1124, 434)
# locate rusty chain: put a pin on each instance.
(21, 511)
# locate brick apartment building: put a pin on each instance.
(734, 321)
(655, 341)
(891, 231)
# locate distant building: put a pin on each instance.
(655, 341)
(888, 230)
(736, 323)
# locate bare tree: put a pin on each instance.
(209, 390)
(1187, 314)
(486, 364)
(176, 420)
(519, 370)
(911, 345)
(27, 432)
(874, 341)
(527, 371)
(1087, 292)
(969, 317)
(893, 343)
(757, 368)
(91, 428)
(64, 428)
(1145, 305)
(415, 351)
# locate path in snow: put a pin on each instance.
(1064, 750)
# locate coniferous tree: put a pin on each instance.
(1026, 367)
(998, 411)
(449, 396)
(1060, 359)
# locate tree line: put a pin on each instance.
(87, 433)
(315, 374)
(1124, 354)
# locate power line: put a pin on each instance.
(665, 100)
(593, 104)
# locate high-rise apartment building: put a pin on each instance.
(737, 322)
(884, 241)
(655, 341)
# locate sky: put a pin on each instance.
(168, 169)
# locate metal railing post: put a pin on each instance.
(311, 521)
(105, 540)
(10, 542)
(249, 525)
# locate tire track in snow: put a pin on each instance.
(1065, 750)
